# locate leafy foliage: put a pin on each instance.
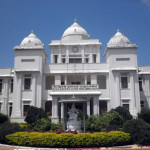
(35, 114)
(94, 123)
(37, 139)
(139, 131)
(145, 115)
(3, 118)
(8, 128)
(123, 112)
(110, 121)
(43, 124)
(113, 118)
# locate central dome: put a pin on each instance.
(75, 29)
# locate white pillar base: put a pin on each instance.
(134, 113)
(55, 119)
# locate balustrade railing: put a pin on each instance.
(74, 87)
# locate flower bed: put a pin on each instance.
(99, 139)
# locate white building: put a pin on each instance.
(75, 75)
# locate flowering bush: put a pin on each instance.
(62, 131)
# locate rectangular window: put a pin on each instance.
(86, 60)
(27, 82)
(48, 108)
(56, 59)
(11, 86)
(124, 81)
(75, 60)
(122, 59)
(75, 83)
(25, 109)
(94, 58)
(102, 107)
(1, 85)
(142, 104)
(63, 60)
(140, 84)
(10, 109)
(27, 60)
(62, 83)
(125, 104)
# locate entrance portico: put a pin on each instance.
(73, 94)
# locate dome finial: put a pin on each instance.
(75, 20)
(117, 30)
(32, 31)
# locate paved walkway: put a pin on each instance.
(129, 147)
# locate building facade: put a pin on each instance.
(75, 75)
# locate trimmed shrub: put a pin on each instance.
(37, 139)
(139, 131)
(123, 112)
(3, 118)
(145, 115)
(8, 128)
(35, 114)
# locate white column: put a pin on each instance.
(67, 54)
(34, 90)
(147, 85)
(85, 79)
(62, 111)
(66, 79)
(59, 55)
(55, 118)
(5, 96)
(16, 112)
(98, 54)
(147, 89)
(107, 81)
(93, 79)
(95, 105)
(52, 57)
(88, 108)
(57, 79)
(133, 101)
(91, 55)
(108, 106)
(137, 92)
(118, 95)
(82, 53)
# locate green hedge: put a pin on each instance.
(99, 139)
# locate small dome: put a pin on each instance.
(118, 40)
(75, 29)
(31, 40)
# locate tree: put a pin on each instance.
(124, 113)
(145, 115)
(35, 114)
(139, 131)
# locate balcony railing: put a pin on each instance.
(74, 87)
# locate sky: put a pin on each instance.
(50, 18)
